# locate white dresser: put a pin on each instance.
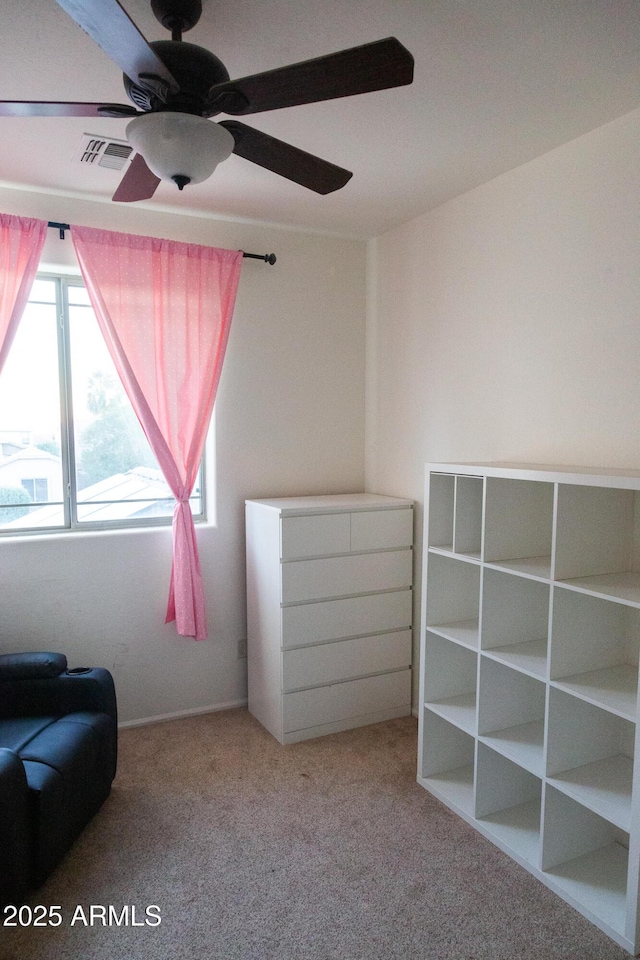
(329, 610)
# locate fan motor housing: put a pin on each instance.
(196, 71)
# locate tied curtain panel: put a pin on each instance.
(21, 242)
(165, 311)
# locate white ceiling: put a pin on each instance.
(497, 83)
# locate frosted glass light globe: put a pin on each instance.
(179, 146)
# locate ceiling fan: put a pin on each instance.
(176, 87)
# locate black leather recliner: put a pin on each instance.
(58, 752)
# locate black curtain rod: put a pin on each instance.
(269, 258)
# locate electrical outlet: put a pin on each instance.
(242, 649)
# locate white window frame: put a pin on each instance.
(67, 447)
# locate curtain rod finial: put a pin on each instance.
(267, 257)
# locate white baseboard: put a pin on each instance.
(181, 714)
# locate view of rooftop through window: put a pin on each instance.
(72, 451)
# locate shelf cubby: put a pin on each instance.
(515, 621)
(597, 541)
(594, 651)
(447, 762)
(455, 506)
(450, 682)
(519, 525)
(508, 803)
(587, 858)
(453, 588)
(590, 756)
(511, 709)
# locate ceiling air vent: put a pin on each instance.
(103, 152)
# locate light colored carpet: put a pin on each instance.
(325, 849)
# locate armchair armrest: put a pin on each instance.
(89, 689)
(14, 828)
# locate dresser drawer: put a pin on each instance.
(345, 659)
(377, 529)
(340, 576)
(315, 536)
(352, 617)
(343, 701)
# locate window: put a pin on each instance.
(72, 452)
(37, 488)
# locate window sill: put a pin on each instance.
(46, 536)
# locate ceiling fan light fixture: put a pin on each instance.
(180, 146)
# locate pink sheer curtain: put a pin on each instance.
(21, 242)
(165, 310)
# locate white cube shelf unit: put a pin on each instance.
(530, 639)
(329, 612)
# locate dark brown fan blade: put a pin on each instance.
(111, 27)
(373, 66)
(138, 183)
(27, 108)
(285, 160)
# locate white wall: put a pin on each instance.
(289, 420)
(505, 325)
